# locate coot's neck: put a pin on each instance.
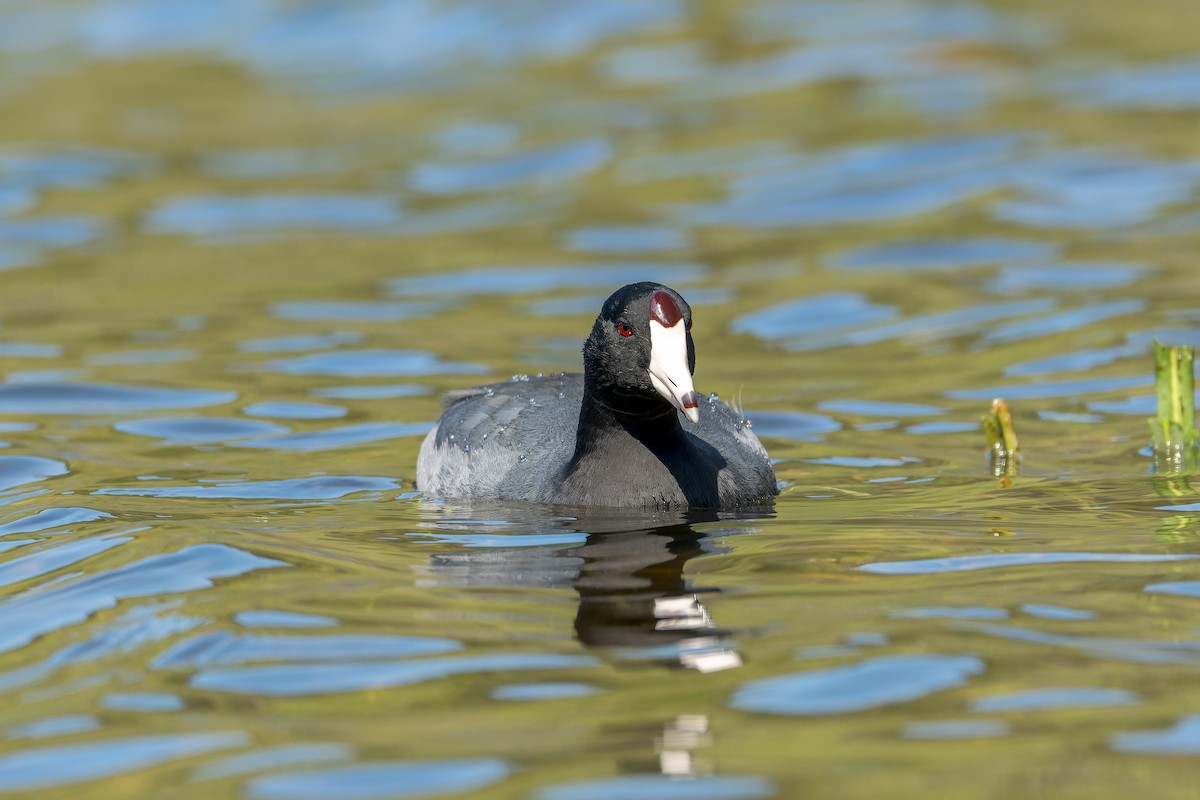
(625, 458)
(604, 424)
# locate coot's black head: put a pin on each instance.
(640, 356)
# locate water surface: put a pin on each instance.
(246, 245)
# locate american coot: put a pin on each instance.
(631, 431)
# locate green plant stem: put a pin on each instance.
(1174, 429)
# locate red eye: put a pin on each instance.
(624, 329)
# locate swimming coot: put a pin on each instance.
(630, 431)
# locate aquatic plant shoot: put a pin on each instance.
(1002, 437)
(1173, 431)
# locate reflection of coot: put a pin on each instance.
(630, 432)
(622, 576)
(628, 575)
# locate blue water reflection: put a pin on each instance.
(934, 428)
(1045, 611)
(1088, 189)
(476, 138)
(300, 342)
(1058, 697)
(19, 470)
(268, 758)
(29, 350)
(49, 231)
(1084, 387)
(343, 436)
(14, 256)
(519, 539)
(794, 425)
(839, 319)
(222, 647)
(382, 42)
(950, 612)
(1140, 404)
(879, 18)
(1001, 560)
(1079, 361)
(142, 625)
(527, 280)
(1184, 588)
(663, 787)
(1162, 86)
(371, 363)
(64, 765)
(937, 255)
(294, 409)
(32, 613)
(545, 165)
(133, 357)
(352, 311)
(947, 324)
(379, 780)
(1181, 739)
(797, 320)
(372, 391)
(1064, 188)
(1066, 276)
(1064, 321)
(48, 727)
(282, 619)
(1134, 651)
(325, 487)
(215, 216)
(868, 182)
(94, 398)
(867, 684)
(79, 167)
(24, 242)
(863, 462)
(198, 430)
(306, 679)
(146, 702)
(876, 408)
(797, 66)
(560, 690)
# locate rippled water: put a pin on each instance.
(245, 245)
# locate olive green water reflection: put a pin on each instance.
(244, 247)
